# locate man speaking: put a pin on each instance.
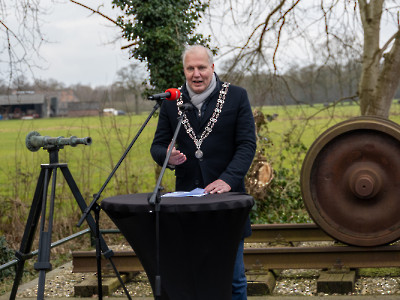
(216, 144)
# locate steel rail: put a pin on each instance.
(267, 258)
(329, 257)
(319, 257)
(286, 233)
(55, 244)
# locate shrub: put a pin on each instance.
(279, 199)
(6, 255)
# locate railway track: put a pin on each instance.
(303, 251)
(276, 247)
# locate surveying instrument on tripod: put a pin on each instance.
(34, 141)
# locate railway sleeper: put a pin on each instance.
(89, 286)
(337, 260)
(342, 282)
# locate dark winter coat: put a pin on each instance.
(227, 151)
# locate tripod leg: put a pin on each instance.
(82, 205)
(94, 227)
(29, 233)
(43, 263)
(98, 253)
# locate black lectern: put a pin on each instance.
(199, 237)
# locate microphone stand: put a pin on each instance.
(96, 209)
(155, 200)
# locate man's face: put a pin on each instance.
(198, 71)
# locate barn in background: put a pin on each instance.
(30, 105)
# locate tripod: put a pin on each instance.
(38, 208)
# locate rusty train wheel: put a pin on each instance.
(350, 181)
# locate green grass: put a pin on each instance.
(307, 123)
(111, 136)
(91, 165)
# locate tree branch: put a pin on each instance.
(266, 23)
(128, 46)
(392, 38)
(96, 12)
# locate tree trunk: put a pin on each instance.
(389, 79)
(378, 82)
(370, 17)
(137, 100)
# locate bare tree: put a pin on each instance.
(20, 36)
(381, 65)
(285, 33)
(131, 79)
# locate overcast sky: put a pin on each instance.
(82, 47)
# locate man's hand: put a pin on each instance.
(218, 186)
(176, 157)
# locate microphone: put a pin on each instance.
(171, 94)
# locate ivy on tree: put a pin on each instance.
(159, 31)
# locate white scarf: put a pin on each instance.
(198, 99)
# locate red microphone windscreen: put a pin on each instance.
(175, 94)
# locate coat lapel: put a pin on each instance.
(209, 111)
(191, 115)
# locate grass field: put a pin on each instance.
(91, 165)
(112, 135)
